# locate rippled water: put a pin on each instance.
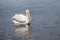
(45, 14)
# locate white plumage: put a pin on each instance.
(20, 19)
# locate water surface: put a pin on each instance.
(45, 18)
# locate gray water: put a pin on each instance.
(45, 18)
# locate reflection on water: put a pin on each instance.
(22, 32)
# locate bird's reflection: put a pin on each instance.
(23, 31)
